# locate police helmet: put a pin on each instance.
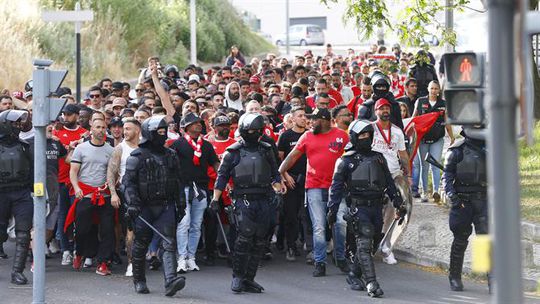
(7, 118)
(150, 126)
(380, 83)
(28, 85)
(358, 127)
(251, 121)
(172, 69)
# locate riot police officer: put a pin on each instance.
(381, 89)
(16, 177)
(363, 177)
(152, 190)
(465, 184)
(254, 172)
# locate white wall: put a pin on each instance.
(272, 15)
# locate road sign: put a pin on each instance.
(67, 16)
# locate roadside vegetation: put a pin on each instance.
(529, 168)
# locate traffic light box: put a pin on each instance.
(46, 82)
(464, 93)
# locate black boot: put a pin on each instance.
(342, 265)
(252, 286)
(3, 255)
(457, 254)
(374, 290)
(320, 270)
(18, 278)
(365, 261)
(354, 278)
(237, 284)
(173, 282)
(21, 254)
(140, 287)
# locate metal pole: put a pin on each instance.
(78, 55)
(449, 23)
(503, 176)
(287, 25)
(41, 110)
(192, 17)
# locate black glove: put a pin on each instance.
(455, 202)
(133, 212)
(397, 202)
(401, 211)
(331, 217)
(214, 206)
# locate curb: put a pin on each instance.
(530, 284)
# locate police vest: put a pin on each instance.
(15, 166)
(158, 181)
(368, 176)
(252, 175)
(471, 173)
(436, 131)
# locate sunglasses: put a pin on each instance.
(139, 90)
(94, 96)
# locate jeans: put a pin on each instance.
(416, 173)
(317, 211)
(188, 232)
(64, 203)
(435, 149)
(340, 232)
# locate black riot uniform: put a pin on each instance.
(381, 89)
(16, 177)
(362, 176)
(253, 169)
(465, 184)
(151, 188)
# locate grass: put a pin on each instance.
(529, 169)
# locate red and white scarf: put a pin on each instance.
(197, 152)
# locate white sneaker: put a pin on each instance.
(53, 246)
(182, 266)
(389, 258)
(129, 270)
(67, 258)
(88, 263)
(191, 265)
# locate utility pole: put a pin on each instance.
(193, 27)
(78, 17)
(46, 110)
(503, 177)
(449, 23)
(287, 25)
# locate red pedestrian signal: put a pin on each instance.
(464, 70)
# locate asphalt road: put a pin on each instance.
(285, 282)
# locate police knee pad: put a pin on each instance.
(243, 245)
(247, 228)
(461, 237)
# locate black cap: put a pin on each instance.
(319, 113)
(117, 85)
(70, 109)
(189, 119)
(221, 120)
(116, 121)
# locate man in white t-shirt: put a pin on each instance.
(389, 140)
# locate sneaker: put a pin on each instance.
(415, 194)
(191, 265)
(53, 246)
(436, 197)
(67, 258)
(320, 270)
(77, 262)
(342, 265)
(222, 252)
(103, 269)
(425, 198)
(182, 266)
(389, 258)
(88, 263)
(309, 258)
(129, 270)
(116, 260)
(267, 256)
(290, 255)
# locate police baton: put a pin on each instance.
(155, 230)
(223, 233)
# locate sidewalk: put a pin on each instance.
(427, 241)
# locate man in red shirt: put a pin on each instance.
(322, 87)
(355, 103)
(69, 135)
(323, 145)
(220, 140)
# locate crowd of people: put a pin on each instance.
(241, 162)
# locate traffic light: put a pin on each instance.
(464, 93)
(46, 82)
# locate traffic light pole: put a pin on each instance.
(40, 120)
(503, 176)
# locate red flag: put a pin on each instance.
(415, 130)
